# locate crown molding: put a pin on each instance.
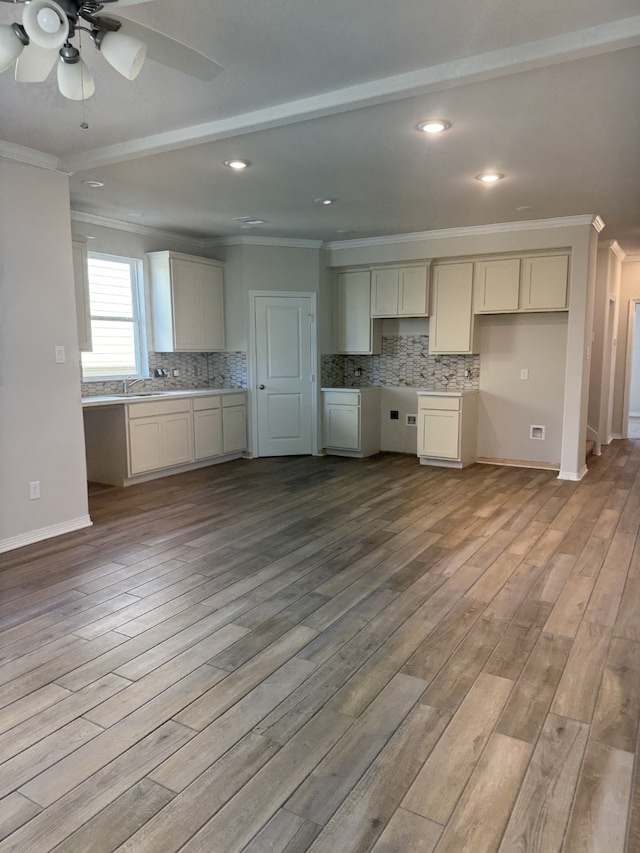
(293, 243)
(135, 228)
(29, 156)
(598, 223)
(200, 242)
(604, 38)
(468, 231)
(284, 242)
(632, 259)
(614, 247)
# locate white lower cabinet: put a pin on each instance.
(160, 435)
(447, 429)
(234, 423)
(351, 421)
(128, 441)
(207, 427)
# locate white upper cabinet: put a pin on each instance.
(451, 327)
(497, 285)
(400, 291)
(354, 330)
(187, 303)
(527, 283)
(81, 284)
(544, 283)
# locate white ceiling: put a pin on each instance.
(324, 97)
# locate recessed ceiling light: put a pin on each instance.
(95, 185)
(249, 221)
(489, 177)
(325, 200)
(237, 164)
(524, 208)
(136, 215)
(434, 125)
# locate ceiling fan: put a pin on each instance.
(43, 39)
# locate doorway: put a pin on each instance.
(283, 373)
(632, 408)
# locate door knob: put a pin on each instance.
(261, 387)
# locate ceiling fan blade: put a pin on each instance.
(35, 63)
(172, 53)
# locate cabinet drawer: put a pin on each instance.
(159, 407)
(202, 403)
(233, 400)
(342, 398)
(441, 403)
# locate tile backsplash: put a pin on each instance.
(404, 361)
(195, 370)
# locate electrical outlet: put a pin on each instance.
(411, 420)
(34, 490)
(524, 373)
(394, 415)
(537, 431)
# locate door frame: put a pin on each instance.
(631, 331)
(252, 366)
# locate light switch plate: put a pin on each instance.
(60, 354)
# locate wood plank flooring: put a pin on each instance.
(329, 655)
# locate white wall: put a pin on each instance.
(254, 267)
(603, 347)
(41, 434)
(509, 405)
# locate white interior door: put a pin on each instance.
(283, 340)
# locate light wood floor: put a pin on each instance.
(329, 655)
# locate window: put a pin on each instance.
(117, 325)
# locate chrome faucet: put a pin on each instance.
(126, 388)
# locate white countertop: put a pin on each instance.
(459, 393)
(418, 391)
(146, 396)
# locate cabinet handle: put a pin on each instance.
(261, 387)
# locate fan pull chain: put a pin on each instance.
(84, 124)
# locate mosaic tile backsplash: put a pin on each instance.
(196, 370)
(404, 360)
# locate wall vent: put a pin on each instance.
(537, 431)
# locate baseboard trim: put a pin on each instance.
(518, 463)
(571, 475)
(44, 533)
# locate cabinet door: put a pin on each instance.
(234, 428)
(496, 285)
(544, 283)
(438, 433)
(81, 284)
(211, 308)
(451, 326)
(353, 325)
(207, 433)
(177, 436)
(342, 427)
(384, 292)
(145, 445)
(413, 292)
(187, 310)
